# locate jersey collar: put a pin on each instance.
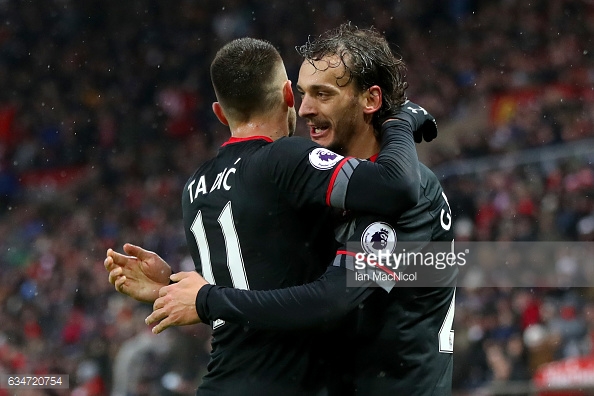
(239, 140)
(373, 158)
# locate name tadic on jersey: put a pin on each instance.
(199, 186)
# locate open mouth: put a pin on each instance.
(317, 132)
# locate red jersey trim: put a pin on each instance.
(238, 140)
(333, 179)
(373, 158)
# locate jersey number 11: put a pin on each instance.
(234, 257)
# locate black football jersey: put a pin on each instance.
(244, 232)
(405, 338)
(395, 338)
(256, 217)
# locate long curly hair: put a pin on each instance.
(367, 58)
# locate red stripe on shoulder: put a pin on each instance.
(333, 179)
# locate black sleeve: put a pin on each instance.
(320, 302)
(311, 305)
(392, 183)
(310, 174)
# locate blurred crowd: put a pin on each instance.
(105, 112)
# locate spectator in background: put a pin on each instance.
(81, 78)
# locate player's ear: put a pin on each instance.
(288, 95)
(372, 99)
(218, 110)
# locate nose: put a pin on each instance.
(306, 108)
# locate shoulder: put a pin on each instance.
(429, 181)
(293, 151)
(427, 174)
(291, 146)
(298, 150)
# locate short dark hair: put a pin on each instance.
(367, 58)
(241, 73)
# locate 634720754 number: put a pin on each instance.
(34, 381)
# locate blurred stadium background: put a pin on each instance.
(105, 111)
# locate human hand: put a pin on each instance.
(176, 305)
(139, 275)
(423, 124)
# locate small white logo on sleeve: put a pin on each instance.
(323, 159)
(378, 236)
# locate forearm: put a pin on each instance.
(314, 304)
(394, 180)
(399, 159)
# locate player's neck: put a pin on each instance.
(260, 127)
(363, 145)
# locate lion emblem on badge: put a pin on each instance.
(378, 236)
